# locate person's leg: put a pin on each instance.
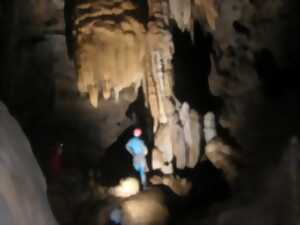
(143, 177)
(140, 168)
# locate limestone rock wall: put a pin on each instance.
(254, 64)
(274, 198)
(250, 67)
(23, 197)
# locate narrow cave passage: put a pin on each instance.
(191, 68)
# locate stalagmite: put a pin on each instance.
(209, 129)
(194, 147)
(179, 144)
(163, 142)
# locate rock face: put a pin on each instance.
(23, 197)
(275, 199)
(222, 156)
(254, 62)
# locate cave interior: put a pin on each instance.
(81, 75)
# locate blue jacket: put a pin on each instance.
(136, 147)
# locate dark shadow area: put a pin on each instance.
(276, 81)
(209, 188)
(191, 68)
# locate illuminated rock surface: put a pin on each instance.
(109, 49)
(23, 197)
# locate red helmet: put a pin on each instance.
(137, 132)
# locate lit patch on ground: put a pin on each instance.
(127, 187)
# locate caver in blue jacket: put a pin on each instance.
(137, 148)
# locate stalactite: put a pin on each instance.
(109, 48)
(207, 9)
(181, 12)
(186, 12)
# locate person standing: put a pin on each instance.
(137, 148)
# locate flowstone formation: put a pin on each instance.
(114, 50)
(175, 135)
(109, 48)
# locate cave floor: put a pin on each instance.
(80, 197)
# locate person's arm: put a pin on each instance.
(129, 149)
